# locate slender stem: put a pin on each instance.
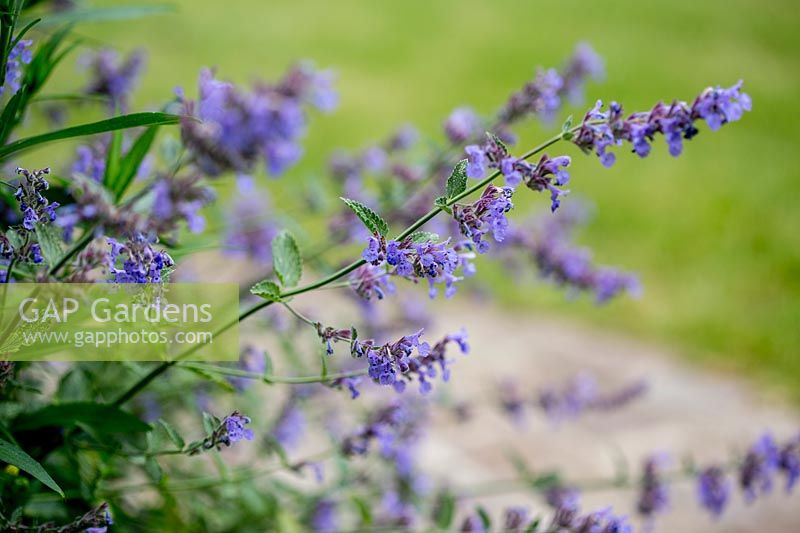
(163, 367)
(268, 378)
(300, 316)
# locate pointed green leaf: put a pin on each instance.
(122, 122)
(130, 164)
(15, 238)
(113, 158)
(268, 290)
(370, 218)
(445, 511)
(14, 455)
(101, 417)
(485, 518)
(172, 433)
(49, 242)
(457, 182)
(286, 260)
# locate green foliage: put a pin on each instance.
(286, 260)
(370, 218)
(50, 243)
(457, 182)
(100, 417)
(14, 455)
(268, 290)
(102, 126)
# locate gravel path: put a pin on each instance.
(686, 411)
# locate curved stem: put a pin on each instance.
(163, 367)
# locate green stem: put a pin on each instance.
(268, 378)
(163, 367)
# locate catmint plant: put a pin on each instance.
(133, 206)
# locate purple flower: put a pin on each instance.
(436, 263)
(324, 517)
(250, 360)
(581, 394)
(548, 241)
(487, 214)
(601, 130)
(90, 161)
(713, 490)
(33, 205)
(462, 125)
(476, 166)
(140, 264)
(543, 95)
(371, 282)
(759, 467)
(291, 424)
(20, 55)
(789, 462)
(603, 521)
(179, 198)
(235, 428)
(398, 363)
(113, 77)
(654, 493)
(473, 524)
(515, 519)
(250, 228)
(236, 128)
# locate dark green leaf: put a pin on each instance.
(132, 161)
(14, 455)
(101, 417)
(122, 122)
(441, 203)
(457, 182)
(485, 518)
(172, 433)
(370, 218)
(268, 290)
(423, 236)
(286, 260)
(49, 242)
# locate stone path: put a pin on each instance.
(685, 411)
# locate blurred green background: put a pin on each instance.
(715, 233)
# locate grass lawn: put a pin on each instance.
(715, 234)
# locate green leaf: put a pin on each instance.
(268, 290)
(153, 469)
(14, 455)
(497, 141)
(485, 518)
(49, 242)
(370, 218)
(445, 511)
(364, 510)
(423, 236)
(566, 129)
(172, 433)
(457, 182)
(286, 260)
(441, 203)
(132, 161)
(15, 239)
(101, 417)
(210, 423)
(122, 122)
(113, 158)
